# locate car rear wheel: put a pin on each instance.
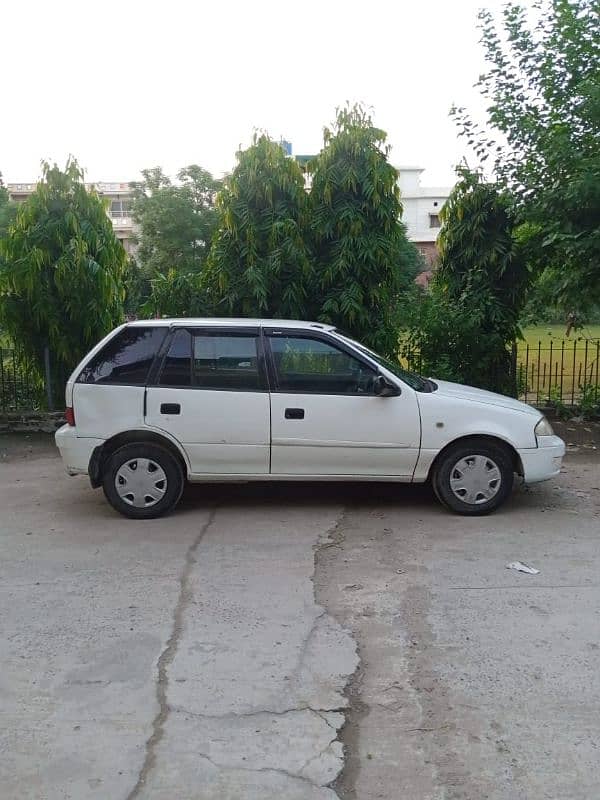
(143, 480)
(474, 478)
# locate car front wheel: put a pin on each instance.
(143, 480)
(474, 478)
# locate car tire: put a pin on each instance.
(473, 478)
(143, 480)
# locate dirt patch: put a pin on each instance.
(19, 446)
(578, 435)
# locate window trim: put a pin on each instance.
(212, 330)
(326, 338)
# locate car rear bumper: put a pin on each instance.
(544, 461)
(75, 451)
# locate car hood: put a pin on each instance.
(447, 389)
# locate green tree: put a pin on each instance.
(364, 261)
(260, 262)
(61, 280)
(465, 327)
(176, 294)
(543, 93)
(8, 210)
(176, 220)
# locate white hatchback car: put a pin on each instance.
(161, 401)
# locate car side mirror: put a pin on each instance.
(382, 387)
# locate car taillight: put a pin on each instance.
(70, 416)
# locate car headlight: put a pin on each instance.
(543, 428)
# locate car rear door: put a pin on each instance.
(325, 417)
(210, 393)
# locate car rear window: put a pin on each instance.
(126, 358)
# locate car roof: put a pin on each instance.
(240, 322)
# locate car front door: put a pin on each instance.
(325, 416)
(211, 394)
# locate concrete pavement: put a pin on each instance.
(213, 654)
(476, 682)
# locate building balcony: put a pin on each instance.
(121, 222)
(119, 188)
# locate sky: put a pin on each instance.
(131, 84)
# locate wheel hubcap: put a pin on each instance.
(475, 479)
(141, 482)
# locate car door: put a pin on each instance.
(211, 394)
(325, 417)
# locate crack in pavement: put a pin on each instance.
(272, 713)
(166, 659)
(295, 672)
(347, 733)
(321, 752)
(168, 656)
(276, 770)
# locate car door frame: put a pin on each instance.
(327, 338)
(155, 371)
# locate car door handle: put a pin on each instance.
(170, 408)
(294, 413)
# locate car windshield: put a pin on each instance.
(411, 378)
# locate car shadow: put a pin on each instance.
(402, 496)
(321, 493)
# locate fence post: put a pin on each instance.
(48, 378)
(2, 399)
(513, 369)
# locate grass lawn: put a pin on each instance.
(546, 333)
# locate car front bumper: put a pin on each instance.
(544, 461)
(75, 451)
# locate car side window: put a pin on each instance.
(206, 360)
(177, 366)
(226, 361)
(312, 366)
(126, 358)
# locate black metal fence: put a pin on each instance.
(20, 388)
(556, 372)
(560, 371)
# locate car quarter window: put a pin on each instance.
(309, 365)
(206, 360)
(126, 358)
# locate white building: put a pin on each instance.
(421, 210)
(118, 196)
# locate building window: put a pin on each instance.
(434, 221)
(120, 209)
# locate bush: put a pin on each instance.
(465, 327)
(448, 337)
